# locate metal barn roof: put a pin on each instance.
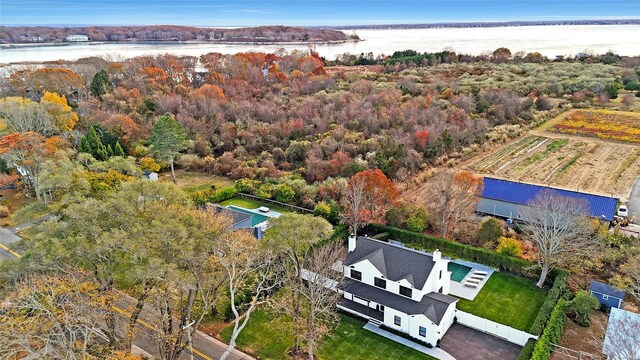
(601, 207)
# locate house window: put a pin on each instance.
(405, 291)
(397, 320)
(605, 297)
(440, 274)
(422, 331)
(381, 283)
(355, 274)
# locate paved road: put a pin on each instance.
(204, 347)
(29, 224)
(7, 237)
(633, 204)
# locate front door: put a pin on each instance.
(380, 308)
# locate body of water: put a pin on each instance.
(548, 40)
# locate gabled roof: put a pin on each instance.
(522, 193)
(606, 289)
(432, 305)
(393, 261)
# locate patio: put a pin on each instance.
(460, 290)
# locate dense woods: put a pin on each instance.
(42, 34)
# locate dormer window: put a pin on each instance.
(406, 291)
(355, 274)
(381, 283)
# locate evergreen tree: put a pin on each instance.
(109, 150)
(92, 144)
(101, 84)
(118, 151)
(168, 138)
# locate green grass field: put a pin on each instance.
(269, 337)
(508, 300)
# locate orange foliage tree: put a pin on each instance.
(60, 111)
(29, 151)
(210, 91)
(59, 80)
(366, 198)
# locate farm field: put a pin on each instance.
(569, 162)
(604, 124)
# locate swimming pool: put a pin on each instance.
(255, 217)
(458, 271)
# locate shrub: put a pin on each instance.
(283, 193)
(468, 252)
(147, 163)
(4, 211)
(247, 186)
(527, 350)
(509, 246)
(416, 223)
(265, 191)
(552, 333)
(322, 209)
(556, 291)
(222, 194)
(490, 231)
(582, 306)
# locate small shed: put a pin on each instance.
(607, 295)
(150, 175)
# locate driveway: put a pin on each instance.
(633, 204)
(465, 343)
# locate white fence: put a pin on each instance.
(508, 333)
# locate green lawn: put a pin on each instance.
(507, 299)
(270, 337)
(254, 204)
(192, 182)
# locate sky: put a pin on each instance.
(303, 12)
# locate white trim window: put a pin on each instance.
(422, 331)
(397, 320)
(605, 297)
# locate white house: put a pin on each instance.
(398, 287)
(77, 38)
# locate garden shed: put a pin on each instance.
(607, 295)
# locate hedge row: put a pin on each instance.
(467, 252)
(202, 197)
(552, 333)
(527, 350)
(556, 291)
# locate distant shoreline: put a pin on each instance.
(481, 24)
(173, 42)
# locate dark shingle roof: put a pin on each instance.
(521, 193)
(606, 289)
(237, 216)
(393, 261)
(432, 305)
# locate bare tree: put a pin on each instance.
(354, 198)
(248, 269)
(320, 293)
(560, 229)
(53, 318)
(629, 278)
(292, 236)
(451, 196)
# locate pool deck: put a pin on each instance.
(458, 289)
(270, 213)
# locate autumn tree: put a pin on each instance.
(292, 237)
(559, 228)
(168, 139)
(451, 196)
(501, 55)
(59, 80)
(629, 277)
(24, 115)
(28, 152)
(366, 198)
(56, 105)
(54, 318)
